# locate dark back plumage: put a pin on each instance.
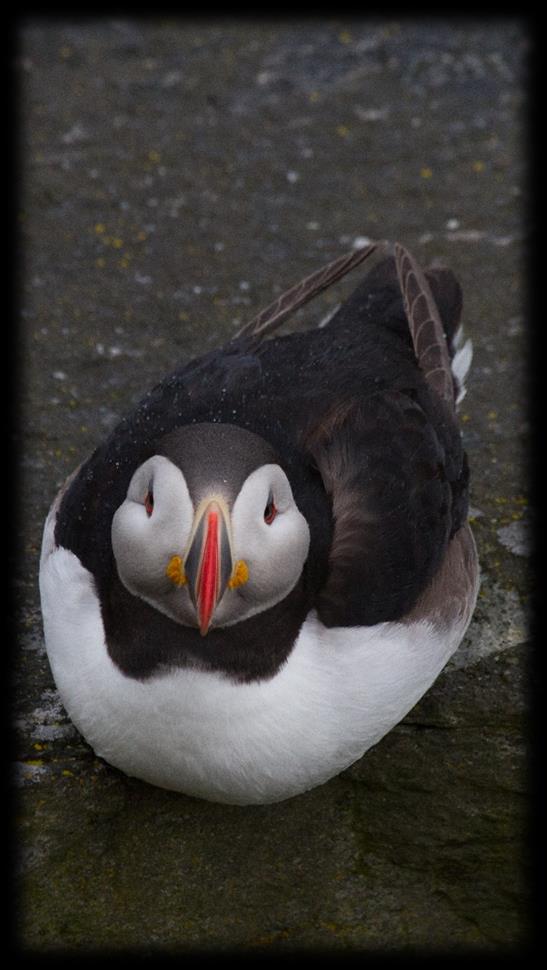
(361, 414)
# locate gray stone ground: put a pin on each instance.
(175, 176)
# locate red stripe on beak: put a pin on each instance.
(208, 584)
(208, 564)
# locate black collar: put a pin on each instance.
(143, 642)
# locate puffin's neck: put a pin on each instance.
(141, 641)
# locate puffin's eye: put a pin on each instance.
(149, 502)
(270, 511)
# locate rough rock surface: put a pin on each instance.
(176, 175)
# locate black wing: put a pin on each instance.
(392, 459)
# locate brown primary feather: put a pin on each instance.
(277, 312)
(425, 324)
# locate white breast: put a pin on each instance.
(200, 733)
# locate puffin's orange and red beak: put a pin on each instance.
(208, 565)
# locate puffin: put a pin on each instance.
(267, 563)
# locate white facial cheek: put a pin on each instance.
(299, 536)
(284, 547)
(128, 524)
(129, 536)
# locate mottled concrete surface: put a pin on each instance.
(175, 176)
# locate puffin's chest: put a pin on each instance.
(201, 733)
